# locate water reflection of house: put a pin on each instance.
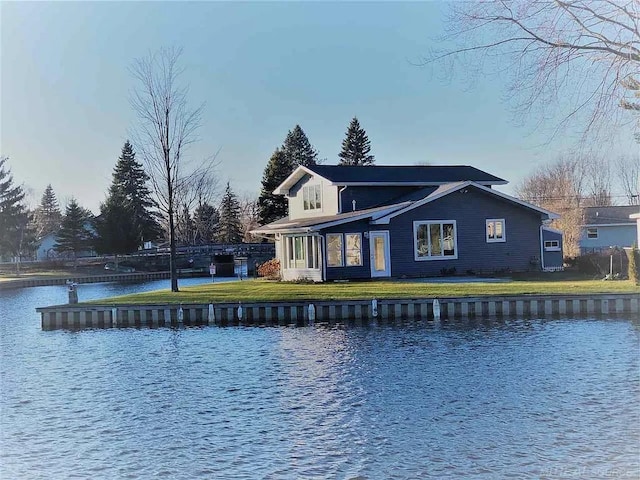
(350, 222)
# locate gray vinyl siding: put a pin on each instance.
(551, 258)
(470, 210)
(356, 272)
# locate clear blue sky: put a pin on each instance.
(260, 69)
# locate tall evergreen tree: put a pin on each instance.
(230, 226)
(130, 178)
(127, 217)
(298, 150)
(115, 228)
(273, 207)
(206, 219)
(15, 235)
(356, 146)
(47, 216)
(75, 235)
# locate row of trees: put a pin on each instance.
(296, 150)
(573, 182)
(128, 217)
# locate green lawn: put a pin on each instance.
(261, 290)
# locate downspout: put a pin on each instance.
(324, 265)
(344, 187)
(541, 248)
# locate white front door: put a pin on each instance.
(380, 257)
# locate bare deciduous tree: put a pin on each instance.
(559, 187)
(166, 129)
(597, 181)
(628, 172)
(582, 52)
(249, 215)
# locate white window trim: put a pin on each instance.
(344, 243)
(504, 230)
(311, 189)
(596, 233)
(551, 247)
(342, 259)
(417, 223)
(310, 256)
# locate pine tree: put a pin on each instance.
(15, 235)
(115, 228)
(206, 219)
(356, 146)
(230, 227)
(47, 216)
(127, 217)
(273, 207)
(75, 235)
(298, 150)
(130, 178)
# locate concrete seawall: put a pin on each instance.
(113, 277)
(358, 311)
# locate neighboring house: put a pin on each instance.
(606, 227)
(45, 249)
(355, 222)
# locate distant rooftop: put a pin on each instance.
(609, 215)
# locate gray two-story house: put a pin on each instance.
(353, 222)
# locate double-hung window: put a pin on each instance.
(592, 232)
(312, 197)
(495, 230)
(435, 240)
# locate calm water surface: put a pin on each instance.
(481, 399)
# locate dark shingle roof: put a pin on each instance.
(425, 175)
(606, 215)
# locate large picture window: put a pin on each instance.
(312, 197)
(495, 230)
(435, 240)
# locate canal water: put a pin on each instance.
(465, 399)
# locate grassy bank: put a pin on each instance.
(260, 290)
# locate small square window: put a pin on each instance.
(592, 232)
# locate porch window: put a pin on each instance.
(334, 250)
(592, 232)
(312, 197)
(353, 251)
(495, 230)
(435, 240)
(301, 252)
